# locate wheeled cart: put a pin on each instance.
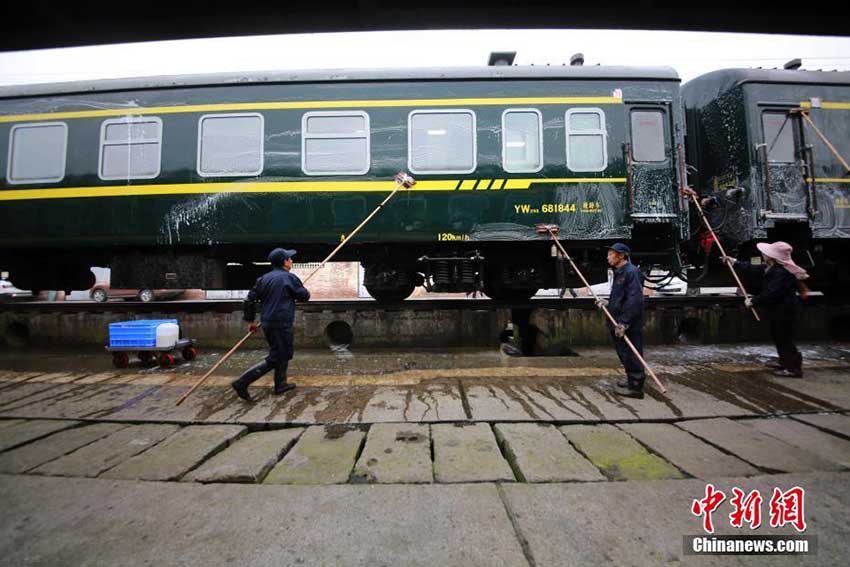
(164, 356)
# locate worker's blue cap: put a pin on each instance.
(621, 248)
(278, 255)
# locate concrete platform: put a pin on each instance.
(100, 522)
(642, 523)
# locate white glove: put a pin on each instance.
(620, 330)
(600, 303)
(748, 303)
(729, 259)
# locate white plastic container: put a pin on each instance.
(167, 335)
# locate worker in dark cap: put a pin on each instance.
(277, 291)
(626, 306)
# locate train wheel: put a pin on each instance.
(189, 353)
(165, 360)
(120, 359)
(145, 356)
(389, 284)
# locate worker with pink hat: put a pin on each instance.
(779, 299)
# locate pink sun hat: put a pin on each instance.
(781, 252)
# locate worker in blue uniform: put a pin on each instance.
(626, 306)
(277, 291)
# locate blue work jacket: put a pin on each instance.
(626, 301)
(277, 291)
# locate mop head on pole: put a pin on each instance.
(545, 228)
(405, 180)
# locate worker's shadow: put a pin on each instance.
(523, 338)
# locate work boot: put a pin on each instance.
(280, 385)
(785, 373)
(241, 390)
(628, 392)
(774, 366)
(622, 383)
(278, 390)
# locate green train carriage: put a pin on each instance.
(771, 172)
(187, 182)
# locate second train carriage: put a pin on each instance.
(770, 146)
(187, 182)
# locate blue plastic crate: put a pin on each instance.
(139, 333)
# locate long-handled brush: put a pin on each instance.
(552, 229)
(402, 179)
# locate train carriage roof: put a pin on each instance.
(594, 72)
(712, 85)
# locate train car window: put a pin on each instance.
(587, 148)
(335, 143)
(37, 153)
(130, 148)
(779, 136)
(441, 141)
(522, 140)
(648, 135)
(230, 145)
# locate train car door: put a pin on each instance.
(649, 164)
(785, 194)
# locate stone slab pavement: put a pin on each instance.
(688, 453)
(539, 453)
(396, 453)
(617, 454)
(833, 422)
(824, 445)
(109, 451)
(324, 454)
(249, 458)
(468, 453)
(54, 446)
(26, 431)
(755, 447)
(178, 454)
(97, 522)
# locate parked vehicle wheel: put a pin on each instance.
(145, 356)
(120, 359)
(99, 295)
(146, 295)
(189, 353)
(165, 360)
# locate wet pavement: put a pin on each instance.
(532, 434)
